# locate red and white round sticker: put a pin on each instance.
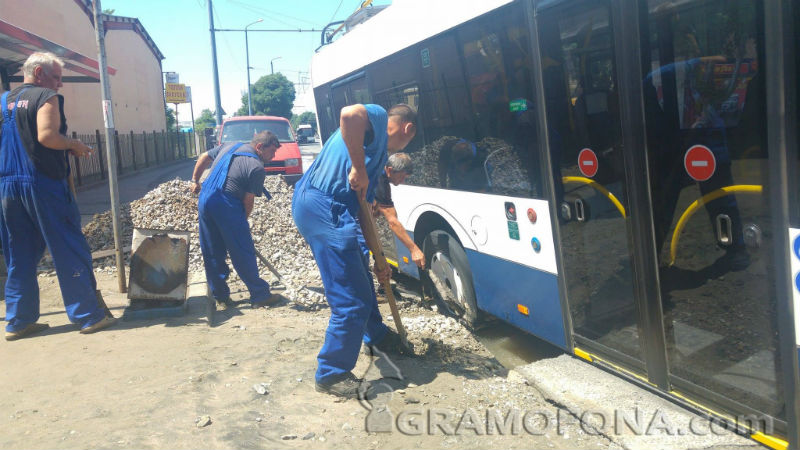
(699, 162)
(587, 162)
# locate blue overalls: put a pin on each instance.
(329, 223)
(39, 211)
(224, 229)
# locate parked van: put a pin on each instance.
(305, 134)
(287, 161)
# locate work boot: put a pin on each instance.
(105, 322)
(27, 331)
(345, 386)
(392, 344)
(273, 300)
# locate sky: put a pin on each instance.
(180, 29)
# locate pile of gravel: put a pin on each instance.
(171, 206)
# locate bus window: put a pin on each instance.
(325, 114)
(489, 144)
(347, 93)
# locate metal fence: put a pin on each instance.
(134, 152)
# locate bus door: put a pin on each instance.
(586, 153)
(706, 129)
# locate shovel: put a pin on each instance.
(270, 266)
(373, 243)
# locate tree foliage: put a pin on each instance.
(170, 119)
(272, 95)
(305, 117)
(205, 120)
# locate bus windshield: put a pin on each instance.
(244, 130)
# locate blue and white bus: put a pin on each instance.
(617, 177)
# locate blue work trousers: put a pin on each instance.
(223, 230)
(34, 215)
(334, 235)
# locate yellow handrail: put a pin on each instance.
(597, 186)
(711, 196)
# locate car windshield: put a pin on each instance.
(244, 130)
(305, 131)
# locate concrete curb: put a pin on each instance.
(626, 414)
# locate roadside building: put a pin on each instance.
(66, 28)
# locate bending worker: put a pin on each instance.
(226, 201)
(38, 208)
(325, 208)
(397, 169)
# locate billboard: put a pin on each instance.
(175, 93)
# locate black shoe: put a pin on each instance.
(392, 344)
(273, 300)
(225, 303)
(345, 386)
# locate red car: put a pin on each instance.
(287, 162)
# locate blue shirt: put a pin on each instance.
(330, 171)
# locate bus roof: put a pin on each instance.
(408, 22)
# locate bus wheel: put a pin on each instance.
(449, 278)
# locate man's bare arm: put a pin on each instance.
(399, 230)
(48, 122)
(354, 123)
(248, 200)
(199, 167)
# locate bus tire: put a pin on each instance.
(447, 263)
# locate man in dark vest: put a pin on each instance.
(226, 200)
(38, 208)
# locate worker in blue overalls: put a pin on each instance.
(325, 208)
(38, 209)
(226, 201)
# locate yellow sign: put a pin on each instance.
(175, 92)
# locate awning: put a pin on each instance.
(17, 44)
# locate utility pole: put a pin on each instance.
(271, 67)
(247, 54)
(111, 156)
(217, 104)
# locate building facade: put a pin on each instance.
(66, 28)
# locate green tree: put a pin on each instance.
(205, 120)
(109, 11)
(272, 95)
(170, 119)
(305, 117)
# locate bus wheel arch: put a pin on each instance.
(448, 279)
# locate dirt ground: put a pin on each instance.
(146, 383)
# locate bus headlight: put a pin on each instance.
(292, 162)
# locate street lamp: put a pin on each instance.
(247, 51)
(271, 68)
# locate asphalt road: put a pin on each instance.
(96, 199)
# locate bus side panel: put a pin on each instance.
(501, 285)
(794, 241)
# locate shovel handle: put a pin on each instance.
(368, 229)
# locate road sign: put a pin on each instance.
(175, 93)
(587, 162)
(699, 162)
(171, 77)
(188, 94)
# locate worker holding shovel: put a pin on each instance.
(325, 208)
(226, 200)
